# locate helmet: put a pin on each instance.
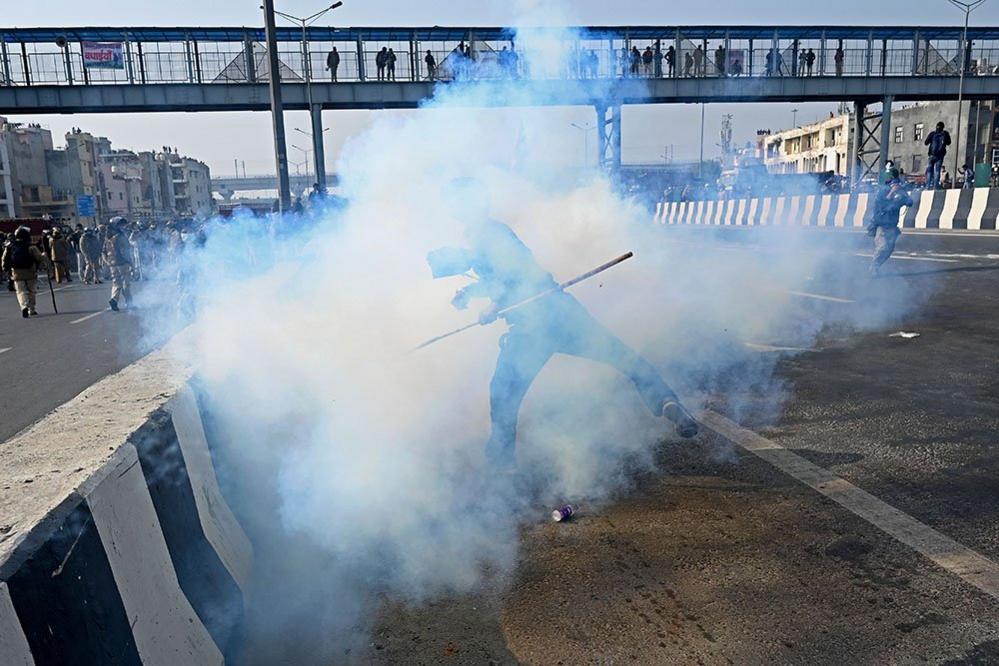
(891, 173)
(22, 233)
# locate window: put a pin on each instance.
(121, 196)
(899, 134)
(917, 134)
(917, 164)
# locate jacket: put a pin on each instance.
(23, 273)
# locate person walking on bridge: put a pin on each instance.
(118, 256)
(333, 64)
(22, 260)
(883, 227)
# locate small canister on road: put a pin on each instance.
(563, 513)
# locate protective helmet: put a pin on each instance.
(22, 233)
(892, 173)
(117, 221)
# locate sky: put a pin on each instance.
(220, 138)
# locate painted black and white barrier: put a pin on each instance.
(116, 544)
(971, 210)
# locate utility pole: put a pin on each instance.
(700, 163)
(277, 109)
(965, 56)
(315, 111)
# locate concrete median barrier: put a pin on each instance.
(116, 543)
(959, 210)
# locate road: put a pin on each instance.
(736, 561)
(47, 360)
(720, 559)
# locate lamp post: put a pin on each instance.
(794, 117)
(585, 129)
(305, 154)
(967, 8)
(277, 108)
(314, 112)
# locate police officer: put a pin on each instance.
(118, 257)
(23, 259)
(507, 274)
(883, 227)
(90, 248)
(60, 255)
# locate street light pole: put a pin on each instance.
(277, 109)
(315, 112)
(967, 8)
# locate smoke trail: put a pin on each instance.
(359, 463)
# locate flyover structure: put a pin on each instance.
(229, 186)
(55, 70)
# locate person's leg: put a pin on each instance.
(520, 360)
(21, 289)
(32, 289)
(884, 245)
(116, 284)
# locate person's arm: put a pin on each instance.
(929, 137)
(946, 138)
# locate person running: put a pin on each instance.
(507, 274)
(883, 227)
(21, 260)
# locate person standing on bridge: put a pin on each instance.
(333, 64)
(508, 273)
(670, 58)
(720, 60)
(381, 59)
(699, 61)
(883, 227)
(937, 140)
(118, 257)
(390, 59)
(21, 261)
(647, 58)
(431, 63)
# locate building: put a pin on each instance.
(38, 180)
(910, 126)
(813, 148)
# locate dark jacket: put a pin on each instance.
(938, 140)
(890, 199)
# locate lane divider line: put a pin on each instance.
(911, 258)
(820, 297)
(5, 349)
(970, 566)
(755, 346)
(90, 316)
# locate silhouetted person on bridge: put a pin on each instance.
(720, 60)
(670, 58)
(390, 59)
(380, 61)
(431, 63)
(838, 59)
(333, 63)
(698, 61)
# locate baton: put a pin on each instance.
(565, 285)
(51, 290)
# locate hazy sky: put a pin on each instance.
(219, 138)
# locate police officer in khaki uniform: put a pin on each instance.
(118, 257)
(22, 260)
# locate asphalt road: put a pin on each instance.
(734, 561)
(47, 360)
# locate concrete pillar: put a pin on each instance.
(886, 133)
(601, 136)
(277, 108)
(856, 163)
(318, 151)
(251, 64)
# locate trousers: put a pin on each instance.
(884, 245)
(119, 283)
(26, 291)
(566, 328)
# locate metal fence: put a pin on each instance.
(32, 63)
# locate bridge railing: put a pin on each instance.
(672, 54)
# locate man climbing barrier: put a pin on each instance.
(508, 274)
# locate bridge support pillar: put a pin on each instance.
(609, 137)
(885, 134)
(318, 150)
(859, 128)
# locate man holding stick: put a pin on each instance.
(539, 328)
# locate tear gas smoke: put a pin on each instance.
(364, 456)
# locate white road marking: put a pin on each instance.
(5, 349)
(89, 316)
(770, 348)
(946, 553)
(910, 257)
(821, 297)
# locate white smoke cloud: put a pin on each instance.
(371, 456)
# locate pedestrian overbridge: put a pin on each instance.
(227, 187)
(116, 70)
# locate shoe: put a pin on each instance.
(33, 312)
(684, 423)
(24, 312)
(114, 304)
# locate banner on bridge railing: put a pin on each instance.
(103, 55)
(971, 210)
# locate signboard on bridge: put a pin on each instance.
(103, 55)
(86, 205)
